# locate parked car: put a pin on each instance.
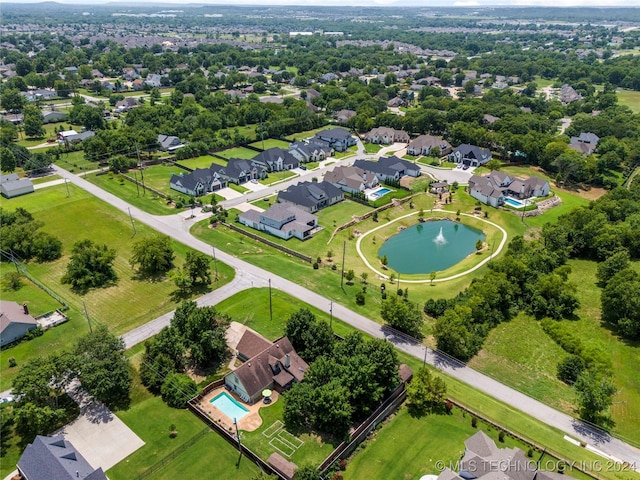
(302, 167)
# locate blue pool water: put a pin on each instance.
(513, 202)
(379, 193)
(227, 405)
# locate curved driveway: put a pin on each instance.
(247, 275)
(458, 275)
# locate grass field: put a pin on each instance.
(629, 98)
(48, 178)
(135, 195)
(310, 133)
(238, 188)
(270, 143)
(275, 177)
(238, 152)
(158, 177)
(203, 161)
(76, 163)
(372, 147)
(123, 306)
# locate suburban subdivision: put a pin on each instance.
(319, 242)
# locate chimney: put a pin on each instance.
(287, 361)
(25, 308)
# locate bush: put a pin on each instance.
(474, 422)
(570, 369)
(360, 298)
(501, 436)
(12, 362)
(177, 389)
(12, 281)
(315, 265)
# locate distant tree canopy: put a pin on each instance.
(20, 236)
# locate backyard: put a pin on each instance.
(270, 143)
(238, 152)
(203, 161)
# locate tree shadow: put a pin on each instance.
(181, 294)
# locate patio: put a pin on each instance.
(248, 423)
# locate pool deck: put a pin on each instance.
(248, 423)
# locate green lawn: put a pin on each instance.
(203, 161)
(134, 194)
(238, 152)
(312, 165)
(151, 420)
(350, 151)
(251, 307)
(310, 133)
(75, 162)
(629, 98)
(238, 188)
(275, 177)
(48, 178)
(50, 132)
(129, 303)
(270, 143)
(158, 177)
(429, 161)
(372, 147)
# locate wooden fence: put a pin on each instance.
(282, 248)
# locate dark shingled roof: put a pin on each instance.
(251, 344)
(54, 458)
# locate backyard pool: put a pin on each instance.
(515, 203)
(227, 405)
(381, 192)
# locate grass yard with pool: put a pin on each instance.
(203, 161)
(128, 303)
(270, 143)
(238, 152)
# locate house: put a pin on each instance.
(127, 104)
(395, 102)
(337, 138)
(343, 116)
(97, 73)
(482, 459)
(153, 80)
(276, 159)
(568, 94)
(423, 144)
(39, 94)
(281, 220)
(239, 170)
(492, 189)
(386, 135)
(199, 182)
(137, 84)
(351, 179)
(276, 367)
(585, 143)
(470, 155)
(489, 119)
(71, 136)
(54, 458)
(311, 196)
(309, 152)
(389, 168)
(169, 143)
(15, 322)
(12, 186)
(52, 116)
(250, 345)
(15, 118)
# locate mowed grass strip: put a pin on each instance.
(203, 161)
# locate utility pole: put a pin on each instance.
(398, 284)
(424, 362)
(331, 316)
(141, 172)
(215, 262)
(87, 315)
(135, 175)
(344, 247)
(67, 186)
(270, 303)
(133, 225)
(235, 422)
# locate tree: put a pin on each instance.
(479, 245)
(308, 472)
(452, 333)
(309, 336)
(594, 395)
(197, 266)
(621, 302)
(12, 101)
(570, 369)
(103, 368)
(612, 265)
(152, 256)
(120, 163)
(493, 164)
(404, 316)
(90, 266)
(33, 122)
(349, 275)
(38, 162)
(432, 277)
(426, 392)
(7, 160)
(178, 389)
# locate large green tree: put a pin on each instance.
(426, 392)
(153, 256)
(621, 302)
(309, 336)
(33, 122)
(178, 389)
(90, 266)
(595, 395)
(402, 315)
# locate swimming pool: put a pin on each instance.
(227, 405)
(379, 193)
(514, 203)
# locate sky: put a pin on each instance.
(421, 3)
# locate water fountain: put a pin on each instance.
(440, 240)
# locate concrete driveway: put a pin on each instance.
(101, 437)
(450, 175)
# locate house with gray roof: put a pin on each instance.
(169, 143)
(351, 179)
(12, 185)
(311, 196)
(482, 459)
(52, 116)
(492, 189)
(276, 159)
(309, 151)
(336, 138)
(423, 144)
(282, 220)
(199, 182)
(343, 116)
(389, 168)
(276, 367)
(54, 458)
(585, 143)
(15, 322)
(568, 94)
(470, 155)
(239, 170)
(386, 135)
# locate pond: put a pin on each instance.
(430, 246)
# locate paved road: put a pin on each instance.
(246, 274)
